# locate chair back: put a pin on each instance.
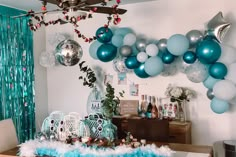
(8, 137)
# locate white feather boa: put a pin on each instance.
(29, 148)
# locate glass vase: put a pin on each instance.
(182, 111)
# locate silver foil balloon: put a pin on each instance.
(68, 52)
(194, 37)
(125, 50)
(119, 65)
(141, 44)
(217, 27)
(162, 44)
(210, 94)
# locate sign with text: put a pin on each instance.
(129, 107)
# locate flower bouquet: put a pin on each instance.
(181, 95)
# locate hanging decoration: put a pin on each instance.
(73, 12)
(200, 56)
(68, 52)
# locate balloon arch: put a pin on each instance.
(201, 56)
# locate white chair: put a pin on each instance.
(8, 137)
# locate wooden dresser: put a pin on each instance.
(177, 132)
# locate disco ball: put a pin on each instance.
(68, 52)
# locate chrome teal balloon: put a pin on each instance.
(140, 72)
(167, 57)
(219, 106)
(218, 70)
(104, 34)
(106, 52)
(132, 62)
(189, 57)
(208, 51)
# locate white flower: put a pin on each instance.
(176, 92)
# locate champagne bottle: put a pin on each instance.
(154, 108)
(149, 108)
(142, 107)
(160, 109)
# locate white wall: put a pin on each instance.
(155, 20)
(41, 93)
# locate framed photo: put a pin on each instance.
(170, 109)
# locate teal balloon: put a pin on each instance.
(153, 66)
(140, 71)
(189, 57)
(218, 70)
(135, 51)
(131, 62)
(219, 106)
(210, 82)
(208, 51)
(117, 40)
(93, 49)
(177, 44)
(123, 31)
(104, 34)
(106, 52)
(167, 57)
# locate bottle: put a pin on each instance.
(149, 108)
(160, 109)
(154, 108)
(142, 106)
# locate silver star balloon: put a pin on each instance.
(217, 27)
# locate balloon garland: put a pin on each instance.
(201, 56)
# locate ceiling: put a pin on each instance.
(36, 4)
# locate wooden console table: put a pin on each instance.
(177, 132)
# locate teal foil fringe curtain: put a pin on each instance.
(17, 73)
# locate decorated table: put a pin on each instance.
(180, 150)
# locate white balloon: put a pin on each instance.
(231, 74)
(152, 50)
(129, 39)
(228, 55)
(47, 59)
(197, 72)
(142, 57)
(224, 90)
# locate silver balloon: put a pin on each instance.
(125, 50)
(68, 52)
(141, 44)
(162, 45)
(210, 94)
(217, 27)
(119, 65)
(197, 72)
(194, 37)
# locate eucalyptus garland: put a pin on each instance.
(89, 79)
